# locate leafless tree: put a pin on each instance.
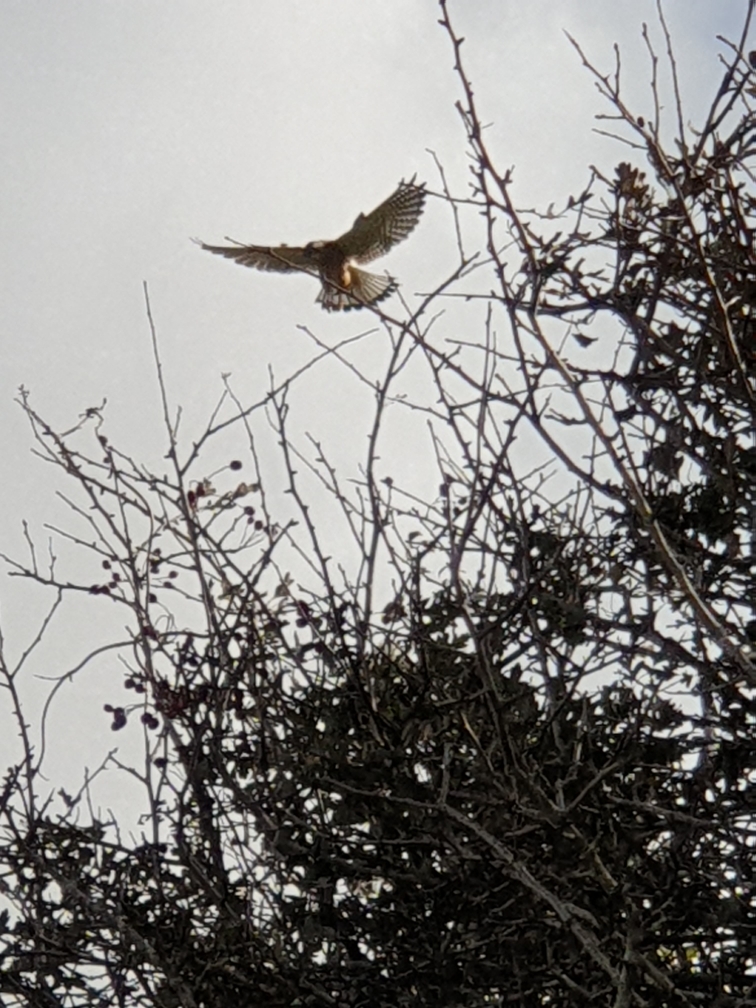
(499, 749)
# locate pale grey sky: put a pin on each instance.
(129, 126)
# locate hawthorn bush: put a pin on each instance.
(499, 749)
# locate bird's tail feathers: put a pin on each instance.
(365, 288)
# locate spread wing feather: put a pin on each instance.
(280, 259)
(373, 234)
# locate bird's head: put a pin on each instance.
(312, 250)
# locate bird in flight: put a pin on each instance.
(344, 286)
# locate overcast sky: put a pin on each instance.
(129, 126)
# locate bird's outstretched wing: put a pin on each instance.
(278, 259)
(373, 234)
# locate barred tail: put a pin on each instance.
(364, 289)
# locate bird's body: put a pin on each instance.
(344, 285)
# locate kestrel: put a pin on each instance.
(344, 285)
